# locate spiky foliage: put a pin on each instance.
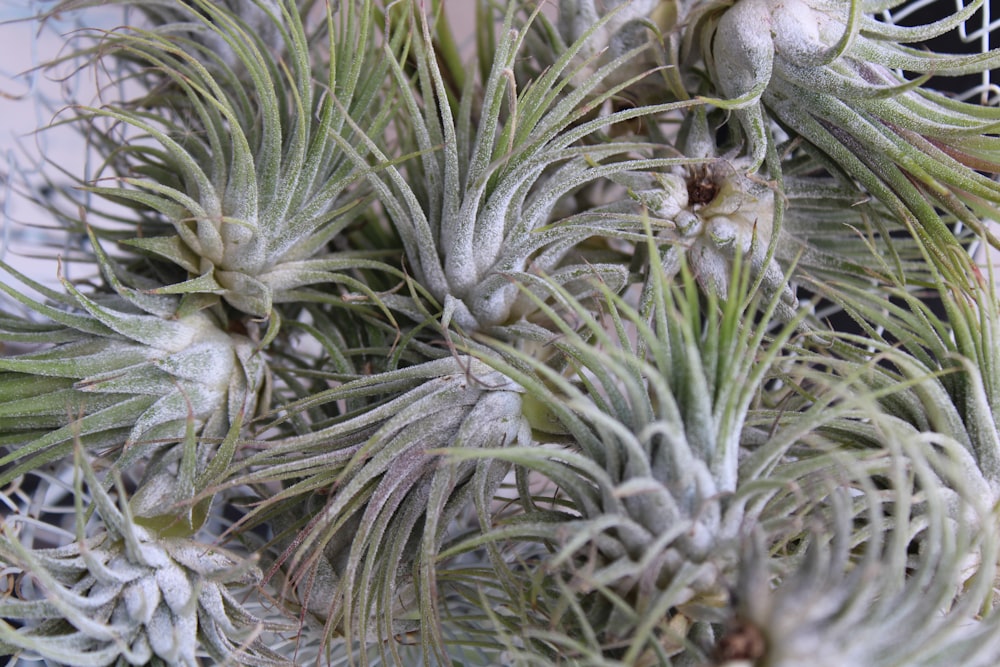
(904, 597)
(624, 27)
(647, 336)
(828, 72)
(950, 358)
(655, 404)
(121, 595)
(227, 155)
(370, 499)
(479, 210)
(877, 527)
(126, 372)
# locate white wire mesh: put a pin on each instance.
(979, 33)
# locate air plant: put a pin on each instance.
(647, 335)
(126, 372)
(830, 73)
(624, 27)
(479, 210)
(230, 163)
(121, 594)
(362, 558)
(904, 597)
(649, 531)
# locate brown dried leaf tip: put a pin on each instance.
(742, 641)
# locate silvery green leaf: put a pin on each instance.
(141, 598)
(28, 609)
(839, 87)
(157, 606)
(257, 183)
(175, 588)
(140, 652)
(898, 604)
(158, 374)
(609, 29)
(483, 202)
(165, 640)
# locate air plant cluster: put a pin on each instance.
(649, 333)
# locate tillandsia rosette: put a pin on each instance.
(123, 373)
(716, 214)
(475, 208)
(235, 186)
(648, 336)
(649, 533)
(371, 499)
(711, 212)
(903, 438)
(123, 595)
(830, 73)
(951, 365)
(260, 19)
(915, 587)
